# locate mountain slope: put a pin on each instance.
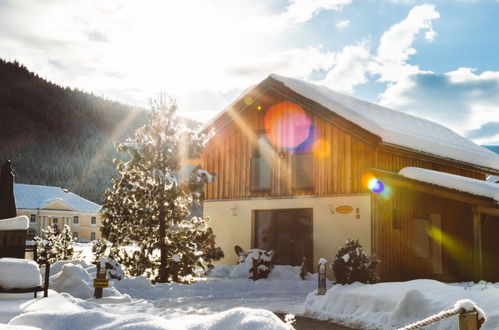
(60, 136)
(493, 148)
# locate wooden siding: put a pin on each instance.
(348, 158)
(394, 246)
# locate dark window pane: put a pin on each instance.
(260, 174)
(303, 167)
(263, 230)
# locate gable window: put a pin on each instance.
(33, 218)
(93, 220)
(76, 219)
(302, 166)
(260, 164)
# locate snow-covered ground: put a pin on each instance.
(396, 304)
(228, 300)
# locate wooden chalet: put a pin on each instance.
(301, 168)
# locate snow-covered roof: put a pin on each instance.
(34, 196)
(17, 223)
(395, 127)
(457, 182)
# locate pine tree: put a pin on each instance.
(352, 264)
(149, 205)
(57, 244)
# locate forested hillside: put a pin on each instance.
(60, 136)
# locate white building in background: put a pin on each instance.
(45, 205)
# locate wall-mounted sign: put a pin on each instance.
(344, 209)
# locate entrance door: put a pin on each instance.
(288, 232)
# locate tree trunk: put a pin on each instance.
(163, 271)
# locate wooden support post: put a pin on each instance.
(468, 321)
(477, 246)
(47, 279)
(321, 276)
(98, 291)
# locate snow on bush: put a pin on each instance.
(352, 264)
(19, 273)
(56, 244)
(245, 267)
(101, 250)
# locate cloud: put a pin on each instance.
(395, 46)
(487, 131)
(298, 12)
(343, 24)
(349, 70)
(299, 62)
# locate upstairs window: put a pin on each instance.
(55, 221)
(33, 218)
(76, 219)
(260, 164)
(93, 220)
(302, 166)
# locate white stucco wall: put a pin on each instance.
(330, 229)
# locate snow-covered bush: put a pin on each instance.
(352, 264)
(56, 245)
(102, 249)
(149, 206)
(263, 263)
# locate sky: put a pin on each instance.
(435, 59)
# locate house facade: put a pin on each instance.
(46, 206)
(300, 169)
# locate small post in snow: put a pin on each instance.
(468, 321)
(100, 280)
(322, 268)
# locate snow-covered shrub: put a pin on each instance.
(56, 245)
(102, 249)
(263, 263)
(352, 264)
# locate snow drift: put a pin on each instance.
(396, 304)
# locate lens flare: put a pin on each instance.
(288, 127)
(321, 149)
(373, 184)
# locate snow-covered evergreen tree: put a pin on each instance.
(352, 264)
(149, 205)
(56, 244)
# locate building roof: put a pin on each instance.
(393, 127)
(34, 196)
(451, 181)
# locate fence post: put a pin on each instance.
(468, 321)
(321, 276)
(47, 279)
